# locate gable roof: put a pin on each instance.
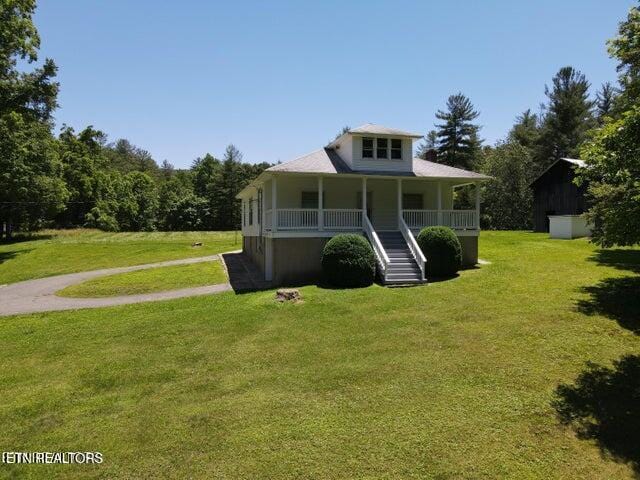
(373, 129)
(573, 161)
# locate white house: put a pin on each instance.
(292, 209)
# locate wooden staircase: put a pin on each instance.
(402, 267)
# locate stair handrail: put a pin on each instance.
(416, 251)
(378, 249)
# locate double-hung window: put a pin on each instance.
(396, 149)
(367, 147)
(381, 148)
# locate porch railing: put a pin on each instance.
(382, 259)
(416, 251)
(351, 219)
(420, 218)
(460, 219)
(456, 219)
(297, 218)
(342, 219)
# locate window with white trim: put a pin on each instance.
(382, 145)
(396, 149)
(367, 147)
(310, 199)
(381, 148)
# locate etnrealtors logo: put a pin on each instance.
(52, 457)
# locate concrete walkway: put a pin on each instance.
(39, 295)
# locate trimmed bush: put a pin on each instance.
(348, 261)
(442, 250)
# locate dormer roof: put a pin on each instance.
(373, 129)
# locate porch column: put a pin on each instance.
(262, 207)
(364, 198)
(274, 205)
(439, 202)
(477, 225)
(320, 206)
(399, 202)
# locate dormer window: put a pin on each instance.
(367, 147)
(381, 148)
(396, 149)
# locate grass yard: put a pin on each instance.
(56, 252)
(525, 368)
(150, 280)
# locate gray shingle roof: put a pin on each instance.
(327, 161)
(373, 129)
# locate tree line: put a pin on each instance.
(599, 127)
(533, 143)
(79, 178)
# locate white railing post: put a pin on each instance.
(274, 205)
(477, 219)
(439, 202)
(320, 206)
(364, 198)
(399, 202)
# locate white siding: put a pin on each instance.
(386, 165)
(344, 148)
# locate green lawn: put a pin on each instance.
(466, 378)
(150, 280)
(56, 252)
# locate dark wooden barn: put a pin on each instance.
(554, 193)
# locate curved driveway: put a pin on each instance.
(38, 295)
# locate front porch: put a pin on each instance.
(324, 205)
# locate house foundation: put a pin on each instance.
(292, 261)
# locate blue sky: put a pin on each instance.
(280, 78)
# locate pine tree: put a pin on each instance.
(625, 47)
(526, 130)
(568, 117)
(458, 144)
(224, 190)
(427, 149)
(605, 98)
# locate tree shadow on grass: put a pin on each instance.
(620, 259)
(617, 298)
(604, 405)
(26, 237)
(6, 256)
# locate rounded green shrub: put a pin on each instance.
(348, 261)
(442, 250)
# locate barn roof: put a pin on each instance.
(573, 161)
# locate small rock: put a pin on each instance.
(196, 244)
(288, 295)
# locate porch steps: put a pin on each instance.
(403, 268)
